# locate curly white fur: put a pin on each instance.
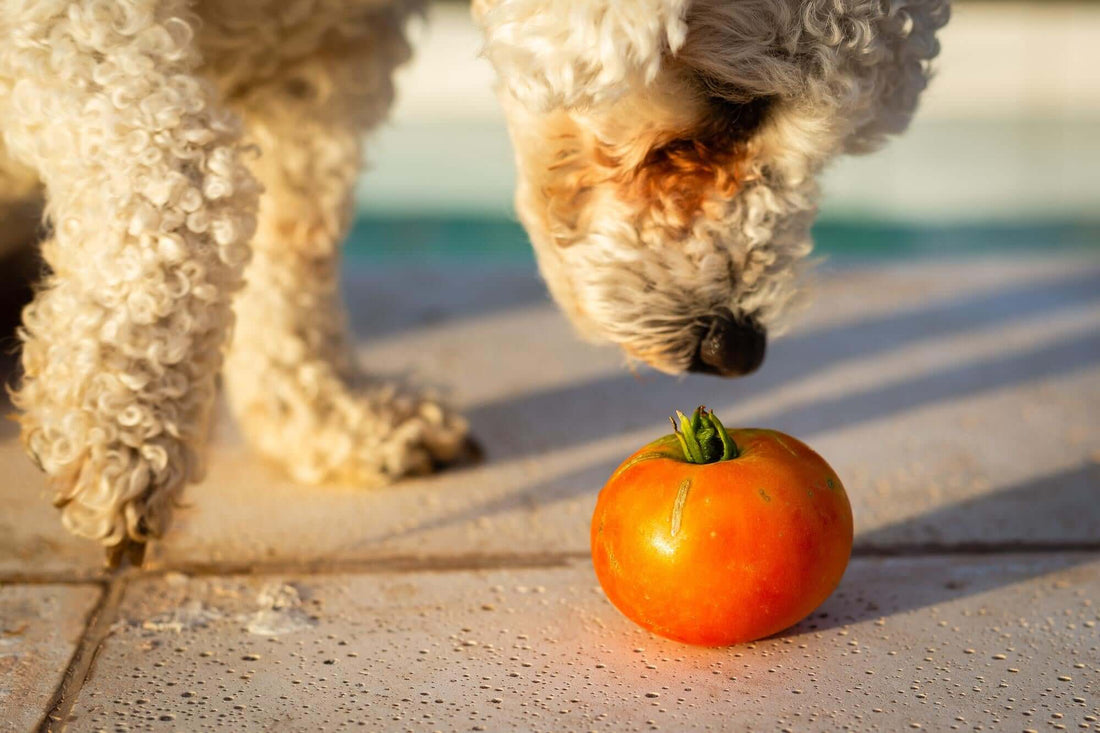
(572, 53)
(290, 373)
(152, 210)
(672, 186)
(667, 152)
(130, 112)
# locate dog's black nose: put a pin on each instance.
(730, 347)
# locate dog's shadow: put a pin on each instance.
(542, 421)
(548, 420)
(1067, 499)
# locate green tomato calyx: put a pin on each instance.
(703, 438)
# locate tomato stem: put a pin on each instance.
(703, 438)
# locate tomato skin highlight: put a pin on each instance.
(722, 553)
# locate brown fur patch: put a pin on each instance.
(666, 175)
(677, 177)
(667, 178)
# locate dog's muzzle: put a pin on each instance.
(730, 347)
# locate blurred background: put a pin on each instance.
(1004, 152)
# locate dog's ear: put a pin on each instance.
(892, 82)
(847, 72)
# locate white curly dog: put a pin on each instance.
(197, 161)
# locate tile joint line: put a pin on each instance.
(509, 561)
(96, 630)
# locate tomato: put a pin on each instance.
(718, 537)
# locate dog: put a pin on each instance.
(196, 162)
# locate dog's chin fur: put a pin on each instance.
(668, 150)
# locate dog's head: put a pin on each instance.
(668, 185)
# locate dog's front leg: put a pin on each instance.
(290, 374)
(151, 211)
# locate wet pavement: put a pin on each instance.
(959, 402)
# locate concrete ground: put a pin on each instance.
(959, 402)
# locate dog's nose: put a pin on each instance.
(730, 347)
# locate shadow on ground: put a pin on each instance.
(616, 404)
(548, 420)
(400, 298)
(1047, 501)
(885, 588)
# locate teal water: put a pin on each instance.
(481, 238)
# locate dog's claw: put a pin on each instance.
(126, 554)
(470, 453)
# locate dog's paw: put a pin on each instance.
(427, 437)
(578, 53)
(364, 437)
(113, 492)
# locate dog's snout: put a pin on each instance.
(730, 347)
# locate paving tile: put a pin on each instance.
(40, 626)
(959, 402)
(947, 643)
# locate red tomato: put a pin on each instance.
(713, 537)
